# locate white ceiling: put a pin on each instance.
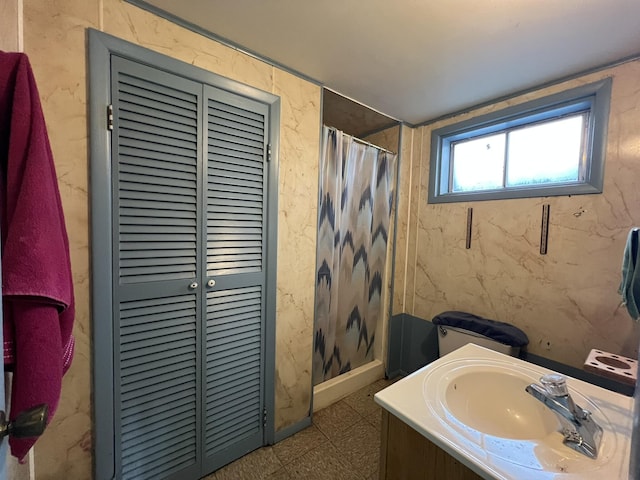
(416, 60)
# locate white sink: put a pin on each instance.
(472, 403)
(494, 401)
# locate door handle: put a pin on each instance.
(30, 423)
(211, 283)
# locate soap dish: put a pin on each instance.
(612, 366)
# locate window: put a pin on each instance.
(550, 146)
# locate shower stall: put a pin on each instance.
(355, 214)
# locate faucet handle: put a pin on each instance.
(555, 384)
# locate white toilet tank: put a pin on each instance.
(456, 329)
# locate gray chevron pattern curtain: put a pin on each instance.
(356, 192)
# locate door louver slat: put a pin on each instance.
(133, 186)
(160, 321)
(225, 300)
(136, 341)
(155, 131)
(148, 183)
(242, 302)
(238, 349)
(138, 166)
(156, 106)
(233, 432)
(219, 207)
(144, 122)
(153, 408)
(142, 435)
(141, 309)
(231, 184)
(232, 396)
(154, 138)
(231, 417)
(254, 132)
(221, 368)
(141, 449)
(180, 437)
(230, 164)
(167, 464)
(241, 117)
(145, 418)
(130, 378)
(164, 162)
(238, 379)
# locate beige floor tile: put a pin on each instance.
(281, 474)
(342, 444)
(375, 419)
(297, 445)
(257, 465)
(384, 383)
(360, 446)
(335, 418)
(362, 400)
(322, 463)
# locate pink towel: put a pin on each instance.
(37, 288)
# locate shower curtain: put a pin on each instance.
(356, 192)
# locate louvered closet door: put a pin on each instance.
(236, 146)
(156, 146)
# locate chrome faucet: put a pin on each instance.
(580, 430)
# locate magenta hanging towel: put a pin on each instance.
(37, 287)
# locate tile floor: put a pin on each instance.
(343, 443)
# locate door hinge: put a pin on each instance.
(109, 117)
(264, 417)
(268, 152)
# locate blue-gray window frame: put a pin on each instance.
(594, 98)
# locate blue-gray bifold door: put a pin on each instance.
(236, 187)
(189, 193)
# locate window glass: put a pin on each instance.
(478, 164)
(549, 152)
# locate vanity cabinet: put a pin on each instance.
(406, 455)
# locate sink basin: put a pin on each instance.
(494, 402)
(483, 404)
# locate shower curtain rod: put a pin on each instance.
(359, 140)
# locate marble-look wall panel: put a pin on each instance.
(566, 301)
(403, 209)
(140, 27)
(415, 206)
(297, 232)
(388, 139)
(55, 40)
(10, 13)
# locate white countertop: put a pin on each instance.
(417, 401)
